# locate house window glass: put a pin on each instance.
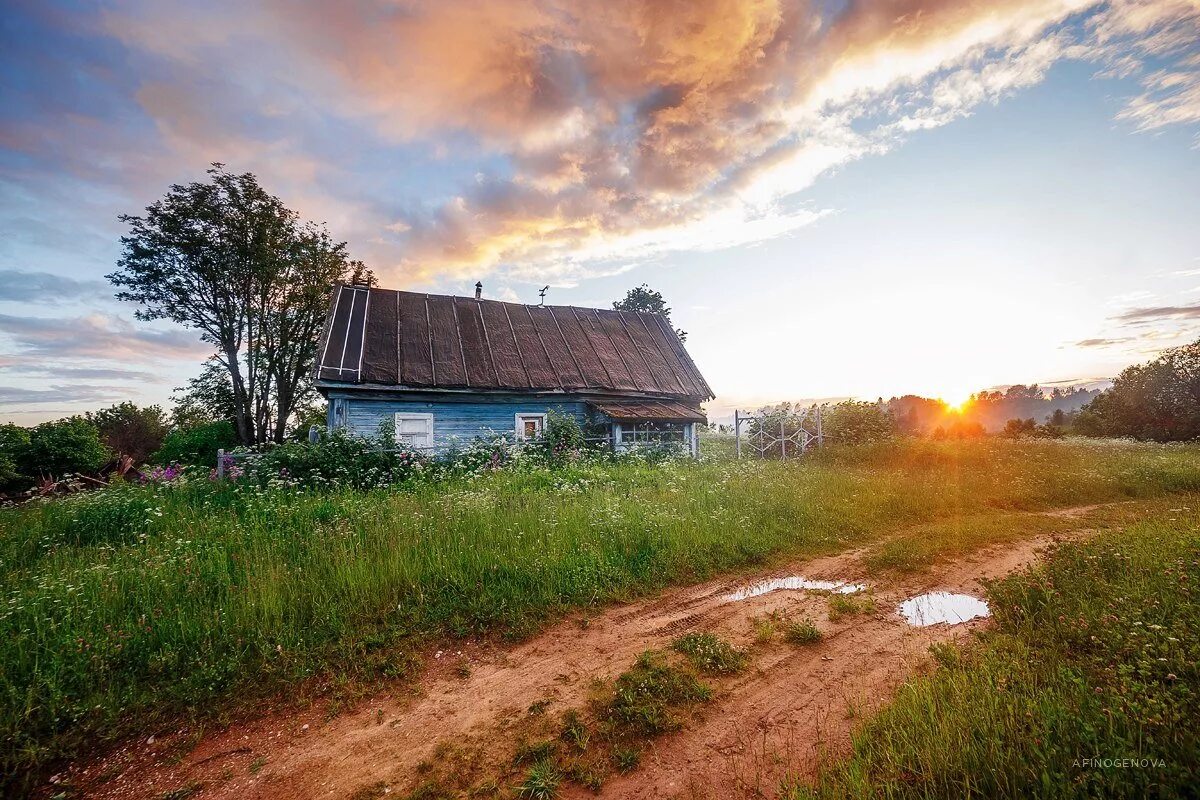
(530, 426)
(415, 431)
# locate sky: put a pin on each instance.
(838, 199)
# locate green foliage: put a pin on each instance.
(627, 758)
(844, 605)
(563, 435)
(1158, 400)
(14, 441)
(854, 422)
(107, 633)
(1095, 656)
(129, 430)
(337, 461)
(647, 301)
(197, 445)
(541, 783)
(64, 446)
(711, 654)
(801, 632)
(648, 698)
(208, 397)
(229, 260)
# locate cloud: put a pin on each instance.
(1103, 342)
(60, 393)
(25, 367)
(97, 336)
(1145, 315)
(44, 287)
(556, 139)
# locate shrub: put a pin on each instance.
(13, 442)
(197, 445)
(62, 447)
(128, 430)
(339, 460)
(855, 422)
(563, 435)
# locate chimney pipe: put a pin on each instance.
(478, 290)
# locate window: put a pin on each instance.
(415, 431)
(530, 426)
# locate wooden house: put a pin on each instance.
(445, 370)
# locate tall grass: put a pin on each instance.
(1088, 688)
(128, 608)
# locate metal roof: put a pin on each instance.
(656, 410)
(393, 338)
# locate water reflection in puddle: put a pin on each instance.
(936, 607)
(793, 582)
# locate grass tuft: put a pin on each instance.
(711, 654)
(801, 632)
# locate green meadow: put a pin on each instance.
(141, 606)
(1086, 686)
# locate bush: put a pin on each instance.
(338, 461)
(856, 422)
(128, 430)
(197, 445)
(61, 447)
(13, 442)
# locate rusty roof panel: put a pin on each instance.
(445, 342)
(380, 360)
(606, 348)
(534, 353)
(506, 354)
(650, 410)
(433, 341)
(477, 353)
(416, 360)
(562, 357)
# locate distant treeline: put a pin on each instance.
(1157, 401)
(989, 410)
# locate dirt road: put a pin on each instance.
(778, 716)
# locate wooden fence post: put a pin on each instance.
(221, 464)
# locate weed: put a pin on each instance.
(257, 764)
(574, 732)
(646, 698)
(627, 758)
(801, 632)
(541, 782)
(534, 751)
(765, 626)
(538, 707)
(842, 605)
(710, 654)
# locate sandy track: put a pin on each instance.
(777, 717)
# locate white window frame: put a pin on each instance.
(519, 423)
(409, 415)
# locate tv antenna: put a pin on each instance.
(542, 294)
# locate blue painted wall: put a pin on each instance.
(453, 422)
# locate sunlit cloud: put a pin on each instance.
(577, 139)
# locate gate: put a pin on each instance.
(777, 435)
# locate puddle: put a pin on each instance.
(936, 607)
(793, 582)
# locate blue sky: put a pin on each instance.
(852, 199)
